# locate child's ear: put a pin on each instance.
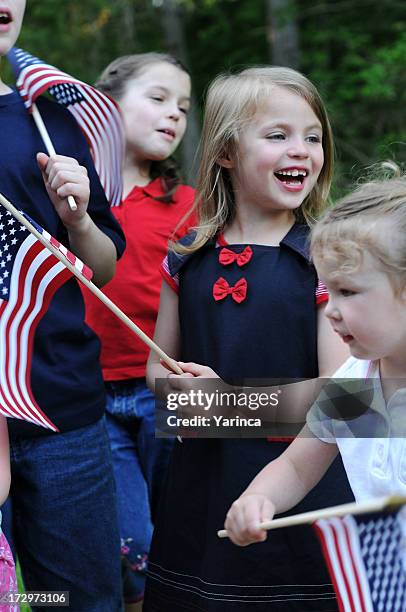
(226, 161)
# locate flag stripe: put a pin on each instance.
(357, 566)
(18, 320)
(342, 557)
(45, 286)
(29, 276)
(9, 323)
(75, 261)
(114, 131)
(364, 557)
(97, 114)
(334, 567)
(21, 305)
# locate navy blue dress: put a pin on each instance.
(270, 334)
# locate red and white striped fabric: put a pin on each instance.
(364, 557)
(29, 276)
(75, 261)
(97, 114)
(321, 293)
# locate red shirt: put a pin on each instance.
(135, 288)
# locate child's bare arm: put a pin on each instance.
(63, 176)
(167, 335)
(4, 460)
(279, 487)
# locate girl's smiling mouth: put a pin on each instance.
(5, 19)
(293, 176)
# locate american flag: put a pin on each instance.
(364, 555)
(29, 276)
(97, 114)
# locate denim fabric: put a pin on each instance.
(62, 509)
(140, 463)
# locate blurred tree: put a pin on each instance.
(354, 51)
(283, 35)
(173, 30)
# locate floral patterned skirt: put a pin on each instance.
(8, 579)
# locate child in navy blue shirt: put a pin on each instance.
(61, 511)
(242, 298)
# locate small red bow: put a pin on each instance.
(221, 289)
(228, 257)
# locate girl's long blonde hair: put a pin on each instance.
(232, 100)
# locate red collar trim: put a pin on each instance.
(154, 189)
(221, 241)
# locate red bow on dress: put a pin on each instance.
(221, 289)
(228, 257)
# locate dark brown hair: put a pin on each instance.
(113, 81)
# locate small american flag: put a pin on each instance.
(96, 113)
(364, 555)
(29, 276)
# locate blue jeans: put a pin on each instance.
(61, 517)
(140, 463)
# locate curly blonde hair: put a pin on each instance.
(372, 218)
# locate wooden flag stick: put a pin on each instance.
(373, 505)
(48, 144)
(172, 364)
